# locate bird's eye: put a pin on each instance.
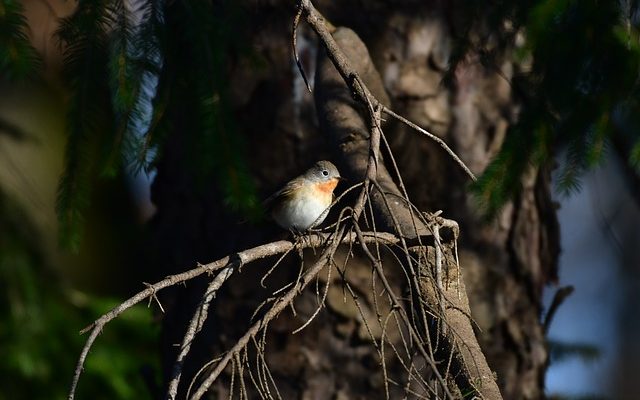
(325, 172)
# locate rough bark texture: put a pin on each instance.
(344, 118)
(505, 263)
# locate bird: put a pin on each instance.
(304, 202)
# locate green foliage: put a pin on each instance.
(18, 58)
(115, 369)
(134, 61)
(147, 52)
(89, 116)
(584, 70)
(120, 115)
(39, 324)
(634, 156)
(125, 76)
(197, 58)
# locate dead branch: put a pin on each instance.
(195, 325)
(277, 307)
(340, 93)
(231, 261)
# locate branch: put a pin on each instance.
(459, 339)
(240, 258)
(352, 78)
(195, 325)
(396, 303)
(277, 307)
(433, 137)
(340, 114)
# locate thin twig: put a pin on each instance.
(558, 298)
(320, 304)
(245, 257)
(438, 246)
(280, 305)
(195, 326)
(433, 137)
(376, 264)
(352, 79)
(294, 46)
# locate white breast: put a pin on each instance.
(301, 214)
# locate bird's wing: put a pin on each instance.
(282, 194)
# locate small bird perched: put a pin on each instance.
(304, 202)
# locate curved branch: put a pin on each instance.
(277, 307)
(240, 258)
(195, 325)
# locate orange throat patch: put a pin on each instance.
(328, 187)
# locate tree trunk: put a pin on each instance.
(505, 262)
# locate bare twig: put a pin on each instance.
(438, 246)
(433, 137)
(243, 257)
(418, 340)
(294, 46)
(352, 78)
(320, 304)
(398, 216)
(195, 325)
(558, 298)
(277, 307)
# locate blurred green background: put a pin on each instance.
(47, 292)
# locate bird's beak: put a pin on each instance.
(342, 179)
